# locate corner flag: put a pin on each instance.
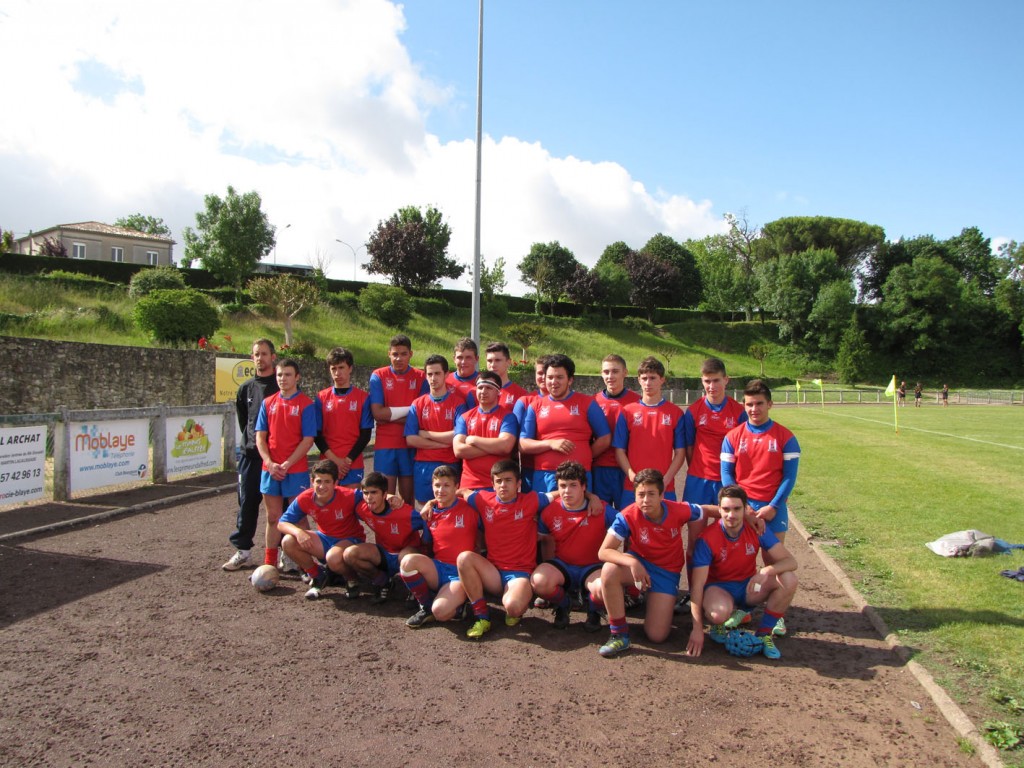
(890, 391)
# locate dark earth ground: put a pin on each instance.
(125, 644)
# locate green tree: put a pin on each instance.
(387, 303)
(492, 279)
(920, 303)
(151, 225)
(687, 288)
(411, 248)
(743, 241)
(789, 285)
(230, 238)
(584, 288)
(611, 271)
(721, 275)
(145, 281)
(971, 253)
(523, 334)
(888, 256)
(176, 316)
(286, 296)
(830, 315)
(548, 268)
(6, 241)
(854, 353)
(852, 241)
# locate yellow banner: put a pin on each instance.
(231, 373)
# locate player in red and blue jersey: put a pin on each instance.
(526, 460)
(392, 390)
(570, 538)
(396, 533)
(453, 528)
(484, 434)
(286, 426)
(467, 365)
(705, 425)
(430, 427)
(762, 457)
(499, 359)
(332, 508)
(563, 426)
(726, 581)
(609, 478)
(649, 433)
(509, 521)
(346, 423)
(644, 549)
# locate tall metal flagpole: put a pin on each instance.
(475, 328)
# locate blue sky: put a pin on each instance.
(603, 121)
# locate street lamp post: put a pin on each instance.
(354, 252)
(286, 226)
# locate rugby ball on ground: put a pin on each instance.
(265, 578)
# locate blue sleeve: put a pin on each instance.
(621, 437)
(702, 557)
(366, 418)
(472, 499)
(696, 513)
(542, 527)
(310, 421)
(597, 420)
(376, 390)
(261, 419)
(417, 523)
(610, 513)
(528, 426)
(679, 434)
(509, 424)
(461, 410)
(471, 401)
(689, 430)
(293, 514)
(728, 463)
(412, 423)
(790, 465)
(426, 537)
(460, 425)
(519, 409)
(620, 527)
(425, 387)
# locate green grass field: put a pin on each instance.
(881, 495)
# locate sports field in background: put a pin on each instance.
(880, 496)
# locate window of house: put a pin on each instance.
(116, 254)
(78, 250)
(152, 258)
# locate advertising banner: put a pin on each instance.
(194, 444)
(108, 453)
(231, 374)
(22, 463)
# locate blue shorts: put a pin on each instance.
(509, 576)
(293, 484)
(544, 480)
(628, 497)
(423, 478)
(388, 562)
(662, 581)
(394, 462)
(608, 484)
(737, 589)
(575, 575)
(700, 490)
(354, 477)
(779, 523)
(330, 541)
(445, 573)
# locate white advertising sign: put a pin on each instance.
(22, 463)
(108, 453)
(194, 444)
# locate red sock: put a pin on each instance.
(270, 556)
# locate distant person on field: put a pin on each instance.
(346, 423)
(945, 395)
(248, 400)
(902, 394)
(917, 395)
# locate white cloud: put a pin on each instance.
(315, 105)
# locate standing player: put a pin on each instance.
(498, 360)
(484, 434)
(526, 460)
(649, 433)
(564, 425)
(644, 549)
(396, 533)
(918, 391)
(570, 540)
(345, 418)
(333, 510)
(727, 583)
(430, 427)
(945, 395)
(454, 528)
(285, 429)
(248, 400)
(392, 390)
(609, 479)
(467, 366)
(902, 393)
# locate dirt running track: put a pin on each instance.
(124, 644)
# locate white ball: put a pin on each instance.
(265, 578)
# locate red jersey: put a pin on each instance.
(705, 427)
(650, 434)
(476, 472)
(760, 459)
(576, 417)
(660, 543)
(342, 415)
(394, 529)
(452, 531)
(611, 406)
(394, 390)
(435, 416)
(337, 518)
(578, 535)
(510, 529)
(509, 394)
(287, 421)
(464, 387)
(730, 559)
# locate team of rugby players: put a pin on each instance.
(546, 498)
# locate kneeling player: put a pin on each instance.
(726, 582)
(396, 532)
(333, 510)
(651, 532)
(454, 528)
(570, 540)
